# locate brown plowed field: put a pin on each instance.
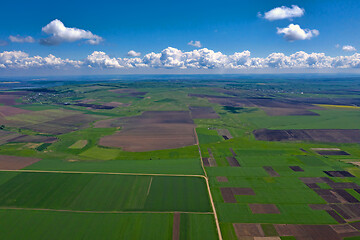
(318, 232)
(16, 163)
(153, 131)
(203, 112)
(264, 208)
(315, 135)
(6, 111)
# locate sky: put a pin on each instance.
(92, 37)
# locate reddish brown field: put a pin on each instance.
(316, 135)
(222, 179)
(176, 226)
(264, 208)
(203, 112)
(243, 230)
(318, 232)
(296, 168)
(228, 193)
(233, 162)
(15, 163)
(153, 131)
(271, 171)
(288, 112)
(6, 111)
(9, 98)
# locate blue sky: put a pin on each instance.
(227, 26)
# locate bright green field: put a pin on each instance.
(101, 192)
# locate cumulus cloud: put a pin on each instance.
(59, 34)
(21, 60)
(195, 44)
(20, 39)
(349, 48)
(294, 32)
(283, 13)
(132, 53)
(173, 58)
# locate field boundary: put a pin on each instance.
(208, 187)
(102, 173)
(111, 212)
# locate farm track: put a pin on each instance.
(111, 212)
(208, 187)
(101, 173)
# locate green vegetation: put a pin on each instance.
(103, 192)
(140, 206)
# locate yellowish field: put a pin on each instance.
(79, 144)
(337, 106)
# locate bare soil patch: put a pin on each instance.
(242, 191)
(211, 159)
(232, 151)
(318, 232)
(335, 216)
(248, 230)
(153, 131)
(222, 179)
(176, 226)
(6, 111)
(224, 133)
(335, 153)
(264, 208)
(233, 162)
(271, 171)
(296, 168)
(228, 195)
(316, 135)
(339, 174)
(206, 162)
(203, 112)
(16, 163)
(288, 112)
(8, 99)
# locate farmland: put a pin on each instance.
(192, 159)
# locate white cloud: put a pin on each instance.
(195, 44)
(20, 39)
(348, 48)
(132, 53)
(283, 13)
(21, 60)
(172, 58)
(59, 33)
(294, 32)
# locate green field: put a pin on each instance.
(107, 193)
(103, 192)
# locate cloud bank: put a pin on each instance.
(294, 32)
(284, 13)
(172, 58)
(59, 34)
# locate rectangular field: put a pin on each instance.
(103, 192)
(153, 131)
(43, 225)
